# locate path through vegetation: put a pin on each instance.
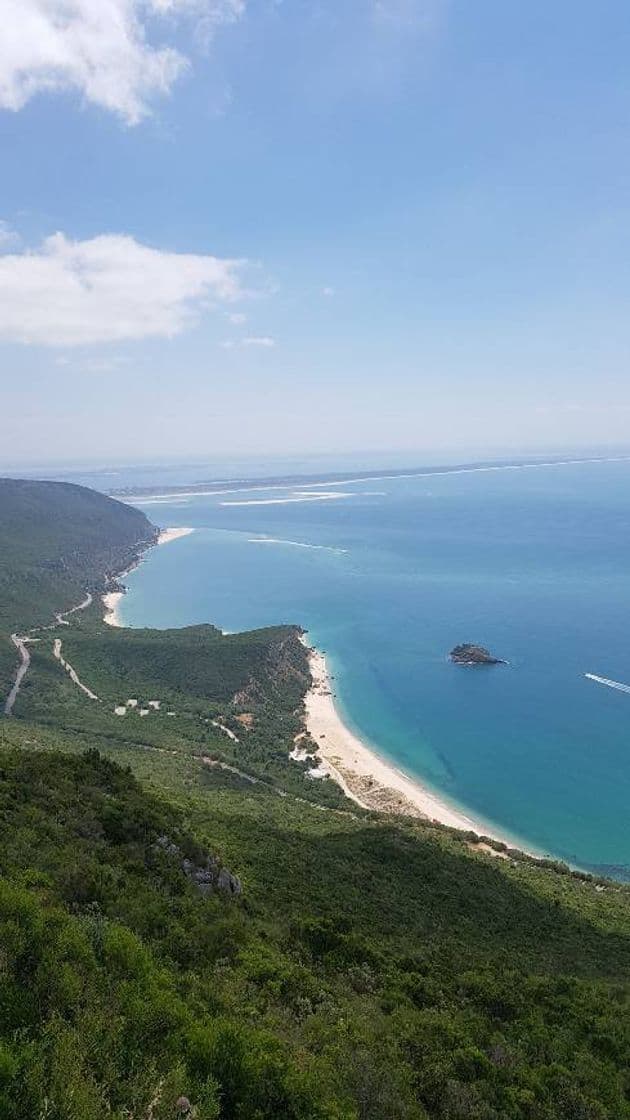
(20, 644)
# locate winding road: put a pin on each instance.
(62, 618)
(25, 660)
(20, 644)
(70, 671)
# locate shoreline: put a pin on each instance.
(370, 780)
(112, 599)
(168, 535)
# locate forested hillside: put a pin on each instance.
(191, 925)
(196, 664)
(57, 541)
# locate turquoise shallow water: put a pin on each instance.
(533, 563)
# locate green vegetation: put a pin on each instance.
(57, 541)
(370, 969)
(197, 665)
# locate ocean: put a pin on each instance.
(387, 574)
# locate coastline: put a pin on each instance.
(226, 486)
(111, 602)
(168, 535)
(112, 599)
(368, 779)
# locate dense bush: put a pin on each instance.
(370, 979)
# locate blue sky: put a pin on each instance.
(270, 226)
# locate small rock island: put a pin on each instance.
(469, 654)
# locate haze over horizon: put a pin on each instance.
(248, 227)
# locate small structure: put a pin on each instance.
(120, 710)
(155, 704)
(319, 771)
(144, 711)
(132, 703)
(299, 754)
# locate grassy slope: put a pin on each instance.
(372, 968)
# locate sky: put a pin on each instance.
(358, 227)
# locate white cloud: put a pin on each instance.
(264, 341)
(99, 48)
(108, 364)
(260, 340)
(236, 318)
(328, 292)
(108, 288)
(8, 236)
(105, 365)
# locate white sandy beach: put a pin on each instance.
(112, 599)
(111, 603)
(369, 780)
(168, 535)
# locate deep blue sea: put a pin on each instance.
(533, 563)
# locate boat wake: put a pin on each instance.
(609, 684)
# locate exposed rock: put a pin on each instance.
(211, 876)
(208, 876)
(205, 878)
(469, 654)
(228, 882)
(167, 845)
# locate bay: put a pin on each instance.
(532, 563)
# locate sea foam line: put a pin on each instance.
(294, 544)
(609, 684)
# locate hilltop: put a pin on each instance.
(366, 967)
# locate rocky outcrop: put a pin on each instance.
(469, 654)
(210, 876)
(207, 876)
